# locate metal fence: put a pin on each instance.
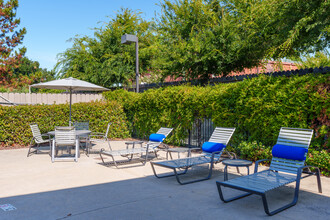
(200, 132)
(232, 79)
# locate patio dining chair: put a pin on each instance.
(212, 153)
(287, 166)
(65, 137)
(155, 141)
(98, 137)
(83, 139)
(37, 137)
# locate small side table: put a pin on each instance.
(235, 163)
(133, 143)
(179, 150)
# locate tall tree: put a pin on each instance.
(287, 27)
(201, 38)
(102, 59)
(198, 39)
(10, 38)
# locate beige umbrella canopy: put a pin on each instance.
(70, 84)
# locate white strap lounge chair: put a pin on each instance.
(155, 140)
(212, 151)
(287, 166)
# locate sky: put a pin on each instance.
(51, 23)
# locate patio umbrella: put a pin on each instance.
(70, 84)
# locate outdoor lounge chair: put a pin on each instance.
(37, 138)
(219, 139)
(83, 138)
(286, 166)
(155, 140)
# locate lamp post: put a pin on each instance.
(128, 39)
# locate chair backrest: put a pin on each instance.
(81, 125)
(65, 136)
(222, 135)
(164, 131)
(108, 128)
(36, 133)
(291, 137)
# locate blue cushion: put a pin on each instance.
(289, 152)
(211, 147)
(157, 137)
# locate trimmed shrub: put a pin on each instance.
(253, 151)
(257, 107)
(320, 159)
(15, 129)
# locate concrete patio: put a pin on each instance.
(87, 189)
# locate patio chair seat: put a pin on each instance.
(125, 152)
(185, 162)
(262, 182)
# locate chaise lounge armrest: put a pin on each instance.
(257, 164)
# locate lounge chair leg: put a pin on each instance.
(318, 178)
(143, 161)
(114, 161)
(294, 202)
(194, 181)
(168, 175)
(230, 199)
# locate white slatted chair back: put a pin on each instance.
(164, 131)
(36, 133)
(295, 137)
(65, 136)
(222, 135)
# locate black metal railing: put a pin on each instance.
(200, 132)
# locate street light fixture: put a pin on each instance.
(128, 39)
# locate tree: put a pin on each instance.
(201, 38)
(103, 59)
(287, 27)
(9, 40)
(26, 73)
(320, 58)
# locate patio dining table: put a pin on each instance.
(78, 133)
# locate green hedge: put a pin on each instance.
(14, 123)
(257, 107)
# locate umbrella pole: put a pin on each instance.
(70, 106)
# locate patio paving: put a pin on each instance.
(87, 189)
